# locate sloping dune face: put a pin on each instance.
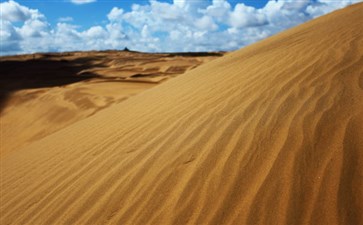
(270, 134)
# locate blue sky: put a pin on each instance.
(85, 15)
(29, 26)
(94, 13)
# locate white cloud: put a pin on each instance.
(246, 16)
(65, 19)
(96, 32)
(293, 5)
(66, 37)
(158, 26)
(115, 14)
(13, 12)
(34, 28)
(9, 38)
(326, 6)
(115, 32)
(218, 10)
(80, 2)
(206, 23)
(24, 38)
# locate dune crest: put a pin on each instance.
(269, 134)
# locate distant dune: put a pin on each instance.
(269, 134)
(58, 89)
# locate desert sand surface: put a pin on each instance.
(43, 93)
(269, 134)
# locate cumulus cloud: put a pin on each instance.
(180, 25)
(115, 14)
(9, 38)
(219, 10)
(206, 23)
(13, 12)
(326, 6)
(245, 16)
(19, 39)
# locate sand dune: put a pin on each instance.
(269, 134)
(57, 90)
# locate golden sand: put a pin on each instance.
(43, 93)
(269, 134)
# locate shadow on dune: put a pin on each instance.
(41, 73)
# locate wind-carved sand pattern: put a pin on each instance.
(59, 89)
(269, 134)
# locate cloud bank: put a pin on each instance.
(158, 26)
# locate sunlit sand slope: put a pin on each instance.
(270, 134)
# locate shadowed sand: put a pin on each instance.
(269, 134)
(56, 90)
